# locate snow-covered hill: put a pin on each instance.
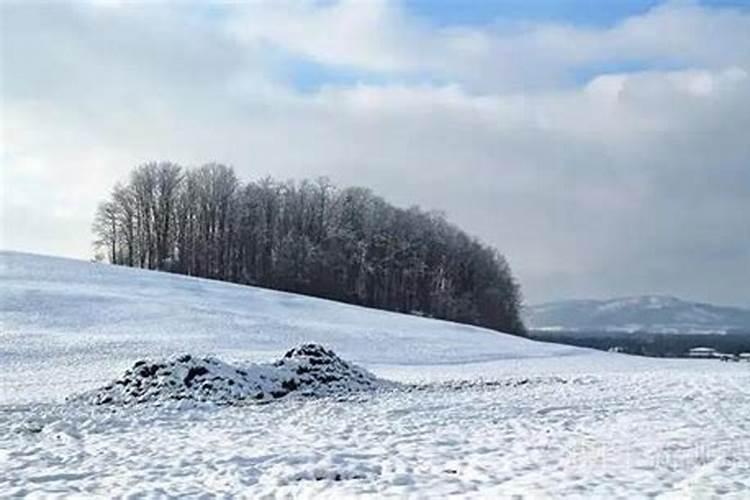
(650, 313)
(474, 413)
(80, 323)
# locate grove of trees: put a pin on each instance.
(308, 237)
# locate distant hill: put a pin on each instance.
(649, 313)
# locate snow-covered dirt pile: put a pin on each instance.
(316, 370)
(310, 370)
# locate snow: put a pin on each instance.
(77, 325)
(475, 413)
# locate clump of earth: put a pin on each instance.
(309, 369)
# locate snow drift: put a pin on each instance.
(309, 370)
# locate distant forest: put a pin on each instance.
(308, 237)
(660, 345)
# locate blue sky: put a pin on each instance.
(308, 75)
(579, 12)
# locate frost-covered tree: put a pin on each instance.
(105, 228)
(308, 237)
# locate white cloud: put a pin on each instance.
(381, 36)
(613, 186)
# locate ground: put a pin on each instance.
(672, 432)
(483, 415)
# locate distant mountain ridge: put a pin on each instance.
(648, 313)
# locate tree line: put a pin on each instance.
(307, 237)
(659, 345)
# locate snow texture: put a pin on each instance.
(473, 413)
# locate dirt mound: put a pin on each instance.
(319, 370)
(309, 370)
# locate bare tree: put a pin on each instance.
(105, 230)
(307, 237)
(168, 179)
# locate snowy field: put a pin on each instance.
(480, 414)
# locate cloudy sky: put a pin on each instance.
(603, 147)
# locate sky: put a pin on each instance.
(602, 147)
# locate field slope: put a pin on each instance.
(79, 323)
(492, 416)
